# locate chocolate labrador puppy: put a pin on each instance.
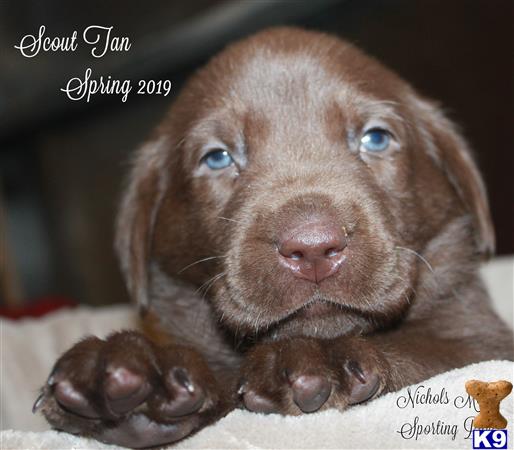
(302, 232)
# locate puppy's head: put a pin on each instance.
(298, 183)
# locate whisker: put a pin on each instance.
(210, 281)
(219, 276)
(418, 255)
(199, 261)
(230, 220)
(408, 283)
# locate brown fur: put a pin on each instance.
(199, 249)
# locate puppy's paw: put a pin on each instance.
(304, 375)
(127, 391)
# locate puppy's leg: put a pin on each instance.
(130, 391)
(301, 375)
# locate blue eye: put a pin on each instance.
(376, 140)
(218, 159)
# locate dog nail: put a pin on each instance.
(183, 379)
(355, 369)
(242, 388)
(38, 402)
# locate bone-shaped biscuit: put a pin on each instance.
(489, 396)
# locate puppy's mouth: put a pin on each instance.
(317, 308)
(323, 306)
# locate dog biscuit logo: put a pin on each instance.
(488, 397)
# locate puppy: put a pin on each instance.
(302, 232)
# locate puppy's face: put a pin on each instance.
(294, 181)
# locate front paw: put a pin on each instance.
(303, 375)
(127, 391)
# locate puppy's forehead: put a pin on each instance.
(286, 79)
(296, 73)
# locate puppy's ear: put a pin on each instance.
(136, 218)
(454, 156)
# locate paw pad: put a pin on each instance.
(257, 403)
(125, 389)
(310, 392)
(71, 399)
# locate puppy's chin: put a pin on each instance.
(322, 321)
(316, 315)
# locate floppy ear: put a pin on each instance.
(136, 218)
(454, 156)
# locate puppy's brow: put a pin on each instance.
(381, 109)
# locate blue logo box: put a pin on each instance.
(489, 439)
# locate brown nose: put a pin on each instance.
(313, 251)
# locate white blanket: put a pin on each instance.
(29, 348)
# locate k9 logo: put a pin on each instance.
(489, 438)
